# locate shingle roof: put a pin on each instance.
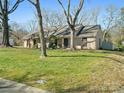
(81, 31)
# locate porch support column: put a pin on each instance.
(25, 44)
(63, 43)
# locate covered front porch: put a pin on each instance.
(63, 42)
(31, 43)
(79, 43)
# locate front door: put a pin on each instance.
(65, 42)
(84, 43)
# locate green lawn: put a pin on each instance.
(65, 71)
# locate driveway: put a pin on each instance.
(7, 86)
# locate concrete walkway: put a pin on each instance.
(7, 86)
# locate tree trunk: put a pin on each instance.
(5, 29)
(41, 31)
(72, 39)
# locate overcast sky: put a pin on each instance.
(25, 11)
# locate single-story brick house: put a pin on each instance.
(86, 37)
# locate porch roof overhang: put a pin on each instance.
(63, 36)
(88, 35)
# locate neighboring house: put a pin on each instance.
(86, 37)
(107, 45)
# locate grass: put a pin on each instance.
(65, 71)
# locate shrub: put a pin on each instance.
(121, 48)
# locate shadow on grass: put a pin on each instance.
(109, 52)
(57, 88)
(111, 58)
(80, 89)
(84, 89)
(22, 78)
(115, 52)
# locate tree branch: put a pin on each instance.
(67, 17)
(15, 6)
(69, 2)
(1, 7)
(32, 2)
(1, 17)
(78, 11)
(69, 14)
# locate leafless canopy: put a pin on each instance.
(71, 20)
(4, 7)
(110, 20)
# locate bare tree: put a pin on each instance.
(36, 4)
(95, 15)
(17, 33)
(71, 20)
(5, 11)
(110, 20)
(31, 25)
(84, 18)
(53, 21)
(89, 16)
(53, 18)
(118, 32)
